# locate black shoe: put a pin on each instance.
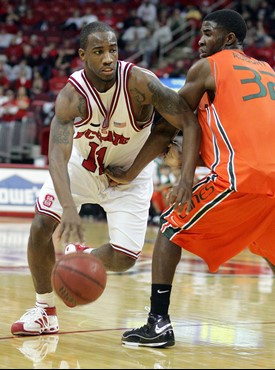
(158, 332)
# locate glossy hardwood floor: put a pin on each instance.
(224, 320)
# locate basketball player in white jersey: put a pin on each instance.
(103, 117)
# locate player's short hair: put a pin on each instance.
(230, 20)
(92, 27)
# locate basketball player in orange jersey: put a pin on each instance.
(103, 117)
(234, 206)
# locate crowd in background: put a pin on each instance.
(39, 41)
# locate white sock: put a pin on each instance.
(88, 250)
(45, 299)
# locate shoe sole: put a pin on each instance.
(33, 334)
(156, 345)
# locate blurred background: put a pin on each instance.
(39, 41)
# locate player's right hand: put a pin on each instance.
(71, 229)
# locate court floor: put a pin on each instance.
(223, 320)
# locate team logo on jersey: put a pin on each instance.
(119, 124)
(48, 200)
(112, 136)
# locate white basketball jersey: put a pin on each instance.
(108, 135)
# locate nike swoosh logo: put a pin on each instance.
(162, 291)
(163, 328)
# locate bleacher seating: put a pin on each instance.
(40, 24)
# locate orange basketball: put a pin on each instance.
(79, 278)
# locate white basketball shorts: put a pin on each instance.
(126, 206)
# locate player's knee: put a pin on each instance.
(42, 228)
(123, 261)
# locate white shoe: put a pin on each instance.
(75, 248)
(36, 321)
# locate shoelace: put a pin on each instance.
(36, 313)
(144, 328)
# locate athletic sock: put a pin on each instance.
(45, 299)
(160, 298)
(89, 250)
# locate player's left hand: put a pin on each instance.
(116, 176)
(173, 156)
(181, 196)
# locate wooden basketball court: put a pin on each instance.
(224, 320)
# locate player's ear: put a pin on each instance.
(81, 53)
(231, 39)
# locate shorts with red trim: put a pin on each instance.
(222, 223)
(126, 206)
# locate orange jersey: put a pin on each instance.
(238, 139)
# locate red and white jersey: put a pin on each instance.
(109, 134)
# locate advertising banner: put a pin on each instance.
(19, 187)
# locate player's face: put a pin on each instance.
(213, 39)
(101, 55)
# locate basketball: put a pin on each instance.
(78, 278)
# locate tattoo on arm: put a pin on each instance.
(138, 96)
(62, 132)
(81, 107)
(164, 100)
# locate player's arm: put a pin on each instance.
(67, 107)
(199, 80)
(145, 89)
(161, 136)
(174, 109)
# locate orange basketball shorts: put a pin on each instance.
(222, 223)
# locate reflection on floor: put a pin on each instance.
(222, 320)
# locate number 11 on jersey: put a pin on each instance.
(95, 159)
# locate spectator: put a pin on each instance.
(130, 20)
(133, 36)
(5, 38)
(17, 71)
(8, 109)
(14, 52)
(16, 108)
(64, 61)
(31, 20)
(22, 102)
(162, 34)
(39, 85)
(4, 81)
(110, 18)
(148, 13)
(154, 42)
(3, 97)
(23, 80)
(73, 23)
(11, 15)
(6, 68)
(57, 82)
(149, 47)
(176, 22)
(36, 46)
(4, 10)
(88, 17)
